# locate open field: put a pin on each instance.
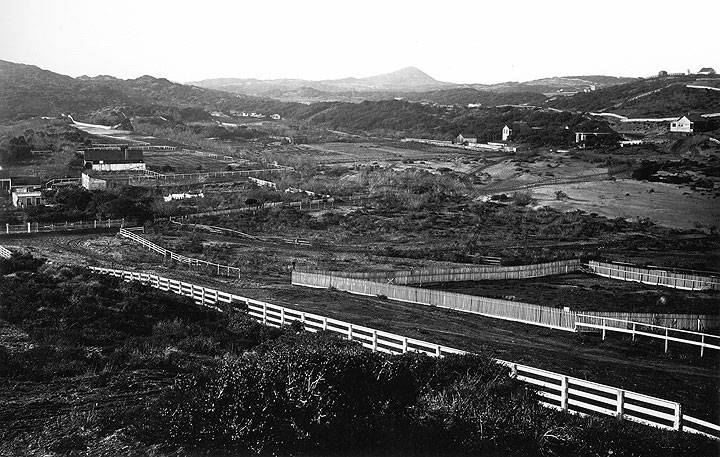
(615, 361)
(585, 292)
(666, 204)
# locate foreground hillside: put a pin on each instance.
(87, 356)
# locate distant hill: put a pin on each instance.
(409, 83)
(652, 97)
(406, 79)
(28, 91)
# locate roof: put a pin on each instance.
(706, 70)
(25, 181)
(114, 156)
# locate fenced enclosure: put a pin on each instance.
(655, 276)
(42, 227)
(604, 324)
(219, 269)
(557, 390)
(502, 309)
(465, 273)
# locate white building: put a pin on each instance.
(506, 133)
(32, 198)
(276, 117)
(682, 125)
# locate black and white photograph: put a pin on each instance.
(359, 228)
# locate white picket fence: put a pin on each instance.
(557, 390)
(655, 276)
(222, 270)
(605, 324)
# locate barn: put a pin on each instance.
(114, 160)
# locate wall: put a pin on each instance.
(469, 273)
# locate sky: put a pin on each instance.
(457, 41)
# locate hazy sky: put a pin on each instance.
(458, 41)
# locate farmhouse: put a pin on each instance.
(114, 160)
(706, 71)
(22, 198)
(682, 125)
(464, 139)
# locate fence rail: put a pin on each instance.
(692, 322)
(221, 270)
(40, 227)
(605, 324)
(557, 390)
(5, 252)
(502, 309)
(657, 277)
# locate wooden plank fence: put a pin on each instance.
(557, 390)
(654, 276)
(502, 309)
(465, 273)
(41, 227)
(219, 269)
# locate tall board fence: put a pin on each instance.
(556, 390)
(219, 269)
(469, 273)
(527, 313)
(655, 276)
(503, 309)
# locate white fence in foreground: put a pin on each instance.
(5, 252)
(557, 390)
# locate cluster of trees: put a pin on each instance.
(77, 203)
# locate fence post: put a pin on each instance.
(95, 224)
(702, 345)
(28, 227)
(437, 351)
(564, 393)
(302, 319)
(513, 370)
(633, 333)
(603, 333)
(349, 334)
(374, 341)
(666, 340)
(264, 313)
(404, 344)
(7, 228)
(324, 323)
(620, 409)
(282, 316)
(677, 422)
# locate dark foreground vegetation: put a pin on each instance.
(225, 385)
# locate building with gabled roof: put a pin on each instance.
(114, 159)
(706, 71)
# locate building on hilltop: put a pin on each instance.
(114, 159)
(706, 71)
(682, 125)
